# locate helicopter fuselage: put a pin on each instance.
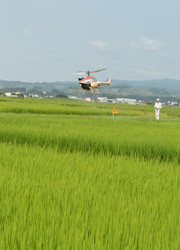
(89, 83)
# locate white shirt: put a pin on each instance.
(158, 105)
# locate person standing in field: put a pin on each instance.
(157, 107)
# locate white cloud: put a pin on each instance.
(99, 44)
(147, 44)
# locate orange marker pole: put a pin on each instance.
(114, 111)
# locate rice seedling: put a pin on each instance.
(142, 138)
(52, 200)
(60, 107)
(88, 182)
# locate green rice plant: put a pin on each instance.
(142, 138)
(68, 107)
(88, 182)
(53, 200)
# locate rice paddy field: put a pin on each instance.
(72, 177)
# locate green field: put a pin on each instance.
(72, 177)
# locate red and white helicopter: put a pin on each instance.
(89, 83)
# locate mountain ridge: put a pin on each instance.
(148, 90)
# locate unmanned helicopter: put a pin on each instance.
(89, 83)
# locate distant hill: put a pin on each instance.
(149, 90)
(168, 84)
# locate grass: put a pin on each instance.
(88, 182)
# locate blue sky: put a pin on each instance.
(48, 40)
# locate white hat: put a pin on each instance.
(157, 99)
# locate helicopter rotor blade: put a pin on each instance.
(97, 70)
(88, 72)
(79, 73)
(74, 88)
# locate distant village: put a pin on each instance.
(121, 100)
(22, 93)
(107, 100)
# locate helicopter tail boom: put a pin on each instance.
(108, 82)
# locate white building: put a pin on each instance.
(8, 94)
(174, 103)
(126, 100)
(141, 102)
(88, 99)
(102, 99)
